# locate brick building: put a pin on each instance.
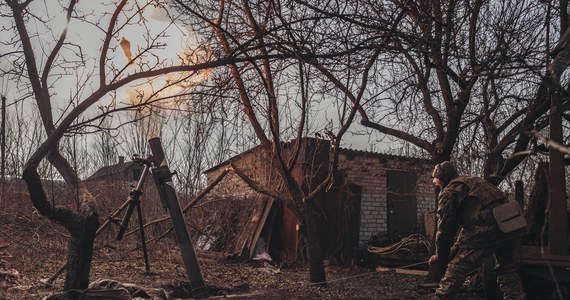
(396, 192)
(373, 194)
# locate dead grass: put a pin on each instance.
(38, 248)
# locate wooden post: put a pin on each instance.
(557, 210)
(3, 140)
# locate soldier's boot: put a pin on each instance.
(511, 286)
(450, 284)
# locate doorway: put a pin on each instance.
(401, 203)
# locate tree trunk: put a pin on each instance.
(81, 249)
(82, 226)
(537, 204)
(312, 241)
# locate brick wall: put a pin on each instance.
(368, 170)
(254, 164)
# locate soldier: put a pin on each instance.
(467, 203)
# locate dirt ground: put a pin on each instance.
(32, 249)
(23, 266)
(224, 278)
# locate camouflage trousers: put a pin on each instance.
(468, 260)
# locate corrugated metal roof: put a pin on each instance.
(345, 151)
(382, 155)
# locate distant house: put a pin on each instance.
(112, 184)
(373, 194)
(122, 171)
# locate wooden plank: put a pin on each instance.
(402, 271)
(532, 255)
(255, 237)
(245, 235)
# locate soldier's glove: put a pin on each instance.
(433, 260)
(453, 252)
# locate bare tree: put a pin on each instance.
(450, 66)
(281, 98)
(458, 71)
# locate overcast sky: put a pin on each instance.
(91, 38)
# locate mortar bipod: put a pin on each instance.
(134, 202)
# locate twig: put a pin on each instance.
(549, 142)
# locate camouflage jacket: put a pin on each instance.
(466, 203)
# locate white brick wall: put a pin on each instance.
(369, 172)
